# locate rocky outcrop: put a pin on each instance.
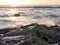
(5, 30)
(36, 34)
(16, 15)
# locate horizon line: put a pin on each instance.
(18, 6)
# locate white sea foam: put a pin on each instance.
(47, 16)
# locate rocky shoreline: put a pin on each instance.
(33, 34)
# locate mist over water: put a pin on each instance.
(47, 16)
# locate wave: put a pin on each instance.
(52, 16)
(40, 16)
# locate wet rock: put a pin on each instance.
(16, 15)
(49, 34)
(38, 34)
(24, 42)
(5, 30)
(16, 32)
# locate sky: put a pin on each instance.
(30, 2)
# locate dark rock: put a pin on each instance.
(26, 43)
(38, 34)
(5, 30)
(16, 15)
(58, 44)
(16, 32)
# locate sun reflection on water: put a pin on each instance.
(12, 11)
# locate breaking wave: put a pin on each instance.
(47, 16)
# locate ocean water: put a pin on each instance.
(47, 16)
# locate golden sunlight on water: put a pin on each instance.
(9, 25)
(47, 21)
(16, 21)
(12, 11)
(25, 19)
